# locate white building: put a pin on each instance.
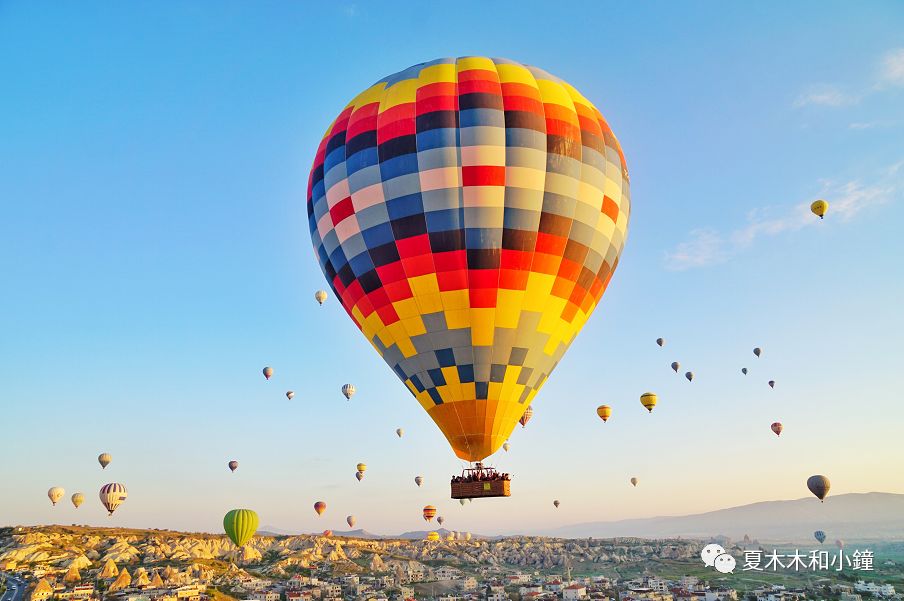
(468, 584)
(574, 592)
(447, 573)
(265, 596)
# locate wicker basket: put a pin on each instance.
(476, 490)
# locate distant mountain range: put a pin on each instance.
(849, 516)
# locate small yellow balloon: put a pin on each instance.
(819, 208)
(604, 411)
(648, 400)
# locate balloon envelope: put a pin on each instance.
(468, 214)
(556, 503)
(320, 296)
(399, 432)
(819, 208)
(820, 536)
(634, 481)
(290, 394)
(433, 536)
(506, 446)
(319, 507)
(362, 467)
(350, 520)
(268, 372)
(819, 485)
(744, 370)
(77, 499)
(771, 383)
(55, 494)
(349, 390)
(526, 416)
(648, 400)
(104, 459)
(240, 525)
(777, 427)
(112, 495)
(757, 351)
(440, 520)
(359, 476)
(418, 480)
(690, 376)
(676, 366)
(604, 412)
(660, 341)
(233, 465)
(429, 512)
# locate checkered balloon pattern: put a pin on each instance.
(469, 214)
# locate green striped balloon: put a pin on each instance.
(240, 525)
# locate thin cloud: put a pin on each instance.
(705, 247)
(825, 95)
(892, 72)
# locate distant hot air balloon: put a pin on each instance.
(604, 412)
(467, 536)
(327, 533)
(757, 351)
(556, 503)
(112, 495)
(104, 459)
(320, 296)
(744, 370)
(418, 480)
(77, 499)
(525, 417)
(432, 536)
(399, 432)
(362, 467)
(506, 446)
(820, 536)
(268, 372)
(777, 427)
(634, 481)
(462, 501)
(839, 543)
(676, 366)
(359, 476)
(55, 494)
(819, 486)
(233, 465)
(648, 400)
(819, 208)
(240, 525)
(437, 250)
(319, 507)
(350, 520)
(290, 394)
(429, 512)
(660, 341)
(771, 383)
(349, 390)
(440, 520)
(690, 376)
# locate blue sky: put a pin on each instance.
(155, 256)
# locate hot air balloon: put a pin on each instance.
(432, 536)
(327, 533)
(319, 507)
(839, 543)
(399, 432)
(771, 383)
(757, 351)
(268, 372)
(604, 412)
(440, 520)
(350, 520)
(660, 341)
(462, 501)
(418, 480)
(634, 481)
(506, 446)
(77, 499)
(648, 400)
(676, 366)
(458, 261)
(112, 495)
(240, 525)
(359, 476)
(690, 376)
(349, 390)
(467, 536)
(777, 427)
(104, 459)
(744, 370)
(233, 465)
(525, 417)
(820, 536)
(556, 503)
(290, 394)
(819, 486)
(429, 512)
(819, 208)
(55, 494)
(320, 296)
(362, 467)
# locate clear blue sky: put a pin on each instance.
(155, 256)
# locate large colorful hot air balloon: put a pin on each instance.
(320, 296)
(820, 536)
(240, 525)
(819, 208)
(268, 372)
(526, 416)
(55, 494)
(233, 465)
(648, 400)
(112, 495)
(429, 512)
(469, 213)
(605, 412)
(819, 486)
(777, 427)
(319, 507)
(349, 390)
(77, 499)
(351, 520)
(104, 459)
